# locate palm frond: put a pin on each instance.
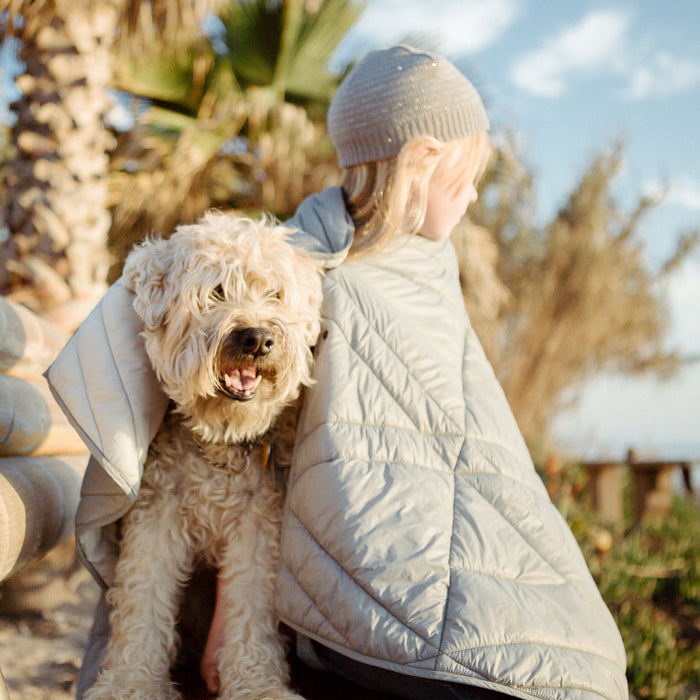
(308, 75)
(252, 34)
(284, 46)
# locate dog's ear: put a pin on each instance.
(146, 273)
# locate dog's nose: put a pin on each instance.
(253, 341)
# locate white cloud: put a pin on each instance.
(592, 43)
(602, 43)
(687, 194)
(663, 75)
(683, 192)
(457, 27)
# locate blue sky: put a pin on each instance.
(571, 77)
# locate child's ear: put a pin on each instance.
(424, 157)
(146, 271)
(426, 150)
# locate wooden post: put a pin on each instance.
(24, 417)
(28, 343)
(42, 459)
(38, 500)
(31, 422)
(653, 487)
(606, 491)
(4, 695)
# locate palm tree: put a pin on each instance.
(56, 182)
(190, 101)
(229, 117)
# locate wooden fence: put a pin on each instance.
(652, 486)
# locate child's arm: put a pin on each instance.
(209, 665)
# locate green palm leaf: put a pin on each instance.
(285, 47)
(320, 35)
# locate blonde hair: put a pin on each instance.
(387, 197)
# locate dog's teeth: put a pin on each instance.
(242, 382)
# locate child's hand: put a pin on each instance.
(209, 665)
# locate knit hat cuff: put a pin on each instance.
(444, 125)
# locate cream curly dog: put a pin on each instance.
(231, 311)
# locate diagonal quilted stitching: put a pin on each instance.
(366, 591)
(368, 361)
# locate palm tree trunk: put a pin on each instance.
(56, 258)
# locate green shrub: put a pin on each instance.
(650, 580)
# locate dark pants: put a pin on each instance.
(400, 685)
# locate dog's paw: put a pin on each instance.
(116, 684)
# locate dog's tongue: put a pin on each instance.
(242, 379)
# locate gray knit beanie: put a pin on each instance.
(398, 94)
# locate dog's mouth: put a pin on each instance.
(242, 355)
(240, 383)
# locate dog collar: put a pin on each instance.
(247, 449)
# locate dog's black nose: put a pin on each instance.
(253, 341)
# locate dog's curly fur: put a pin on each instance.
(230, 311)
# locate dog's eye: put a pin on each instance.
(218, 292)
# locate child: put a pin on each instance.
(420, 553)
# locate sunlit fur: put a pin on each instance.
(265, 282)
(203, 492)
